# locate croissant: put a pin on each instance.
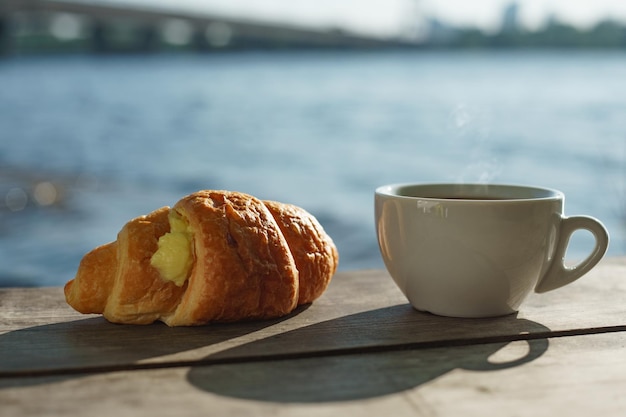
(216, 256)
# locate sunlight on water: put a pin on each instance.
(91, 142)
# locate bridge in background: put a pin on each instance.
(101, 23)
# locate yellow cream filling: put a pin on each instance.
(174, 257)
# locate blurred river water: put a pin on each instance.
(89, 142)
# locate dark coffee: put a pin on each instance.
(473, 197)
(464, 197)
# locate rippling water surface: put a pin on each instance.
(88, 142)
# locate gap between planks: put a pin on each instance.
(373, 349)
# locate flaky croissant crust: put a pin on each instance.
(252, 259)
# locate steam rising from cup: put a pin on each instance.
(472, 127)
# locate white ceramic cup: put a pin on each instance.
(478, 250)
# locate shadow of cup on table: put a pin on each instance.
(358, 356)
(382, 365)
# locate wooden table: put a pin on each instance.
(359, 350)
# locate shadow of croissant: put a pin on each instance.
(56, 352)
(373, 370)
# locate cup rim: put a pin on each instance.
(499, 192)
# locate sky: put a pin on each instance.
(391, 17)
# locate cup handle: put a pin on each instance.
(559, 275)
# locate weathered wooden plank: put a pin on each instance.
(574, 376)
(361, 310)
